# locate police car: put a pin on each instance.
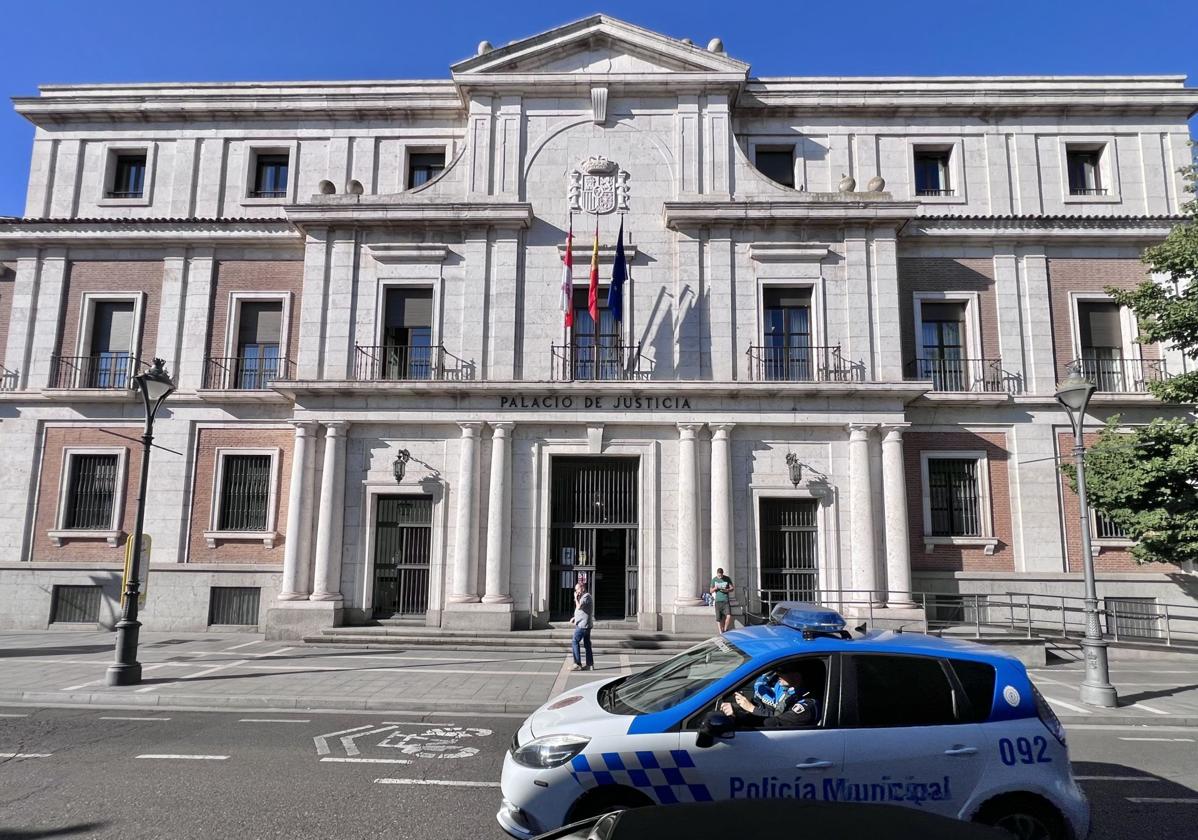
(946, 726)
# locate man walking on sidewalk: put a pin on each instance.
(721, 588)
(584, 620)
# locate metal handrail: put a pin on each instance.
(112, 372)
(597, 362)
(239, 373)
(802, 363)
(966, 375)
(1120, 376)
(1087, 191)
(933, 192)
(409, 363)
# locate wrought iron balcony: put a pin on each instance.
(933, 192)
(409, 363)
(8, 379)
(1121, 376)
(966, 375)
(602, 362)
(268, 193)
(233, 373)
(123, 194)
(803, 363)
(1087, 190)
(106, 371)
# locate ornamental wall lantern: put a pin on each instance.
(794, 468)
(400, 465)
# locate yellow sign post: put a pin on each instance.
(143, 570)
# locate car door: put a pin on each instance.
(907, 739)
(773, 763)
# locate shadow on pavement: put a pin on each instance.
(1125, 801)
(1128, 699)
(52, 651)
(65, 831)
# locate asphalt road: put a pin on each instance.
(174, 774)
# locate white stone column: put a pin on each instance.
(465, 555)
(861, 503)
(327, 583)
(898, 543)
(689, 559)
(722, 550)
(296, 547)
(498, 502)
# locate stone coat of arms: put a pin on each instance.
(598, 186)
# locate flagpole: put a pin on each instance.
(628, 300)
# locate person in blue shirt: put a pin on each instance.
(789, 706)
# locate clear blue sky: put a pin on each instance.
(47, 41)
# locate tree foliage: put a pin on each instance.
(1145, 479)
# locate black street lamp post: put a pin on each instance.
(1074, 394)
(155, 386)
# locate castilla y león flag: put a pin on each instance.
(568, 277)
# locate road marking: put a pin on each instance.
(25, 755)
(1185, 740)
(441, 783)
(1129, 727)
(186, 677)
(1164, 800)
(1117, 779)
(271, 652)
(275, 720)
(563, 674)
(351, 748)
(187, 757)
(145, 670)
(1148, 708)
(625, 665)
(322, 745)
(242, 645)
(5, 714)
(114, 717)
(1068, 706)
(368, 760)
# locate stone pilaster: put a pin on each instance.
(689, 560)
(327, 582)
(894, 500)
(498, 503)
(465, 556)
(861, 516)
(296, 548)
(722, 550)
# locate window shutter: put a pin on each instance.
(1100, 325)
(260, 323)
(409, 308)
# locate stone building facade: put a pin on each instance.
(849, 300)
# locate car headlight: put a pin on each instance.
(550, 751)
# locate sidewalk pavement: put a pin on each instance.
(242, 671)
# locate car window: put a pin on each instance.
(977, 678)
(814, 682)
(902, 691)
(673, 681)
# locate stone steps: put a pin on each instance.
(553, 640)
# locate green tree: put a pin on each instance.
(1145, 479)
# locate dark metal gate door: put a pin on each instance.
(789, 553)
(402, 542)
(590, 499)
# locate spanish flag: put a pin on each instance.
(593, 292)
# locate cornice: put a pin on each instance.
(148, 231)
(833, 209)
(1124, 228)
(347, 212)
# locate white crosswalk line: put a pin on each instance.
(115, 717)
(1068, 706)
(24, 755)
(1184, 740)
(1148, 708)
(437, 783)
(275, 720)
(368, 760)
(185, 757)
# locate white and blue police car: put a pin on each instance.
(949, 727)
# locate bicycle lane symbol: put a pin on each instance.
(439, 742)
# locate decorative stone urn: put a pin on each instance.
(876, 184)
(848, 183)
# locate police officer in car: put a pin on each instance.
(789, 707)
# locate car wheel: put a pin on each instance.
(1024, 817)
(603, 801)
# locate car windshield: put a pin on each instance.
(674, 680)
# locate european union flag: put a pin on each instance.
(619, 273)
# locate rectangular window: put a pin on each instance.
(259, 335)
(1100, 334)
(234, 605)
(942, 346)
(954, 497)
(407, 350)
(787, 353)
(110, 362)
(270, 175)
(1105, 529)
(777, 163)
(244, 493)
(596, 350)
(424, 167)
(931, 172)
(77, 604)
(1085, 173)
(91, 490)
(902, 691)
(128, 176)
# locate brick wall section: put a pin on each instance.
(7, 278)
(206, 493)
(950, 557)
(83, 550)
(1108, 559)
(1065, 276)
(284, 276)
(141, 276)
(942, 274)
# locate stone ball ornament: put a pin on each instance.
(484, 47)
(876, 184)
(715, 45)
(848, 183)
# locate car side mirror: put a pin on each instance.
(715, 725)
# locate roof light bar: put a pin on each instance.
(809, 618)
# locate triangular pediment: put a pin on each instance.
(597, 45)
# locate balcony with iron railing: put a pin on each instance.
(104, 371)
(409, 363)
(268, 194)
(602, 362)
(9, 380)
(802, 363)
(245, 373)
(976, 376)
(1087, 191)
(1120, 376)
(933, 193)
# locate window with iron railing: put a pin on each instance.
(1106, 529)
(270, 176)
(91, 491)
(954, 497)
(424, 167)
(244, 493)
(128, 176)
(932, 172)
(1085, 170)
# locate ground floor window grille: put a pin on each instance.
(75, 604)
(234, 605)
(789, 551)
(402, 549)
(954, 497)
(1133, 617)
(91, 490)
(244, 492)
